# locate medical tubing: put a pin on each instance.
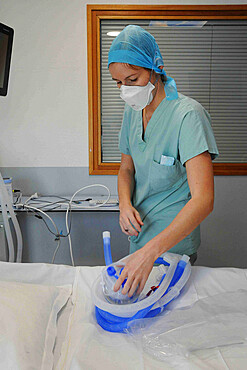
(19, 241)
(6, 223)
(15, 222)
(180, 275)
(69, 238)
(16, 227)
(107, 247)
(53, 223)
(91, 186)
(28, 199)
(118, 319)
(34, 209)
(174, 291)
(67, 213)
(43, 213)
(56, 250)
(161, 261)
(119, 326)
(131, 309)
(48, 228)
(79, 206)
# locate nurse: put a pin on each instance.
(165, 181)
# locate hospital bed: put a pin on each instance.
(47, 321)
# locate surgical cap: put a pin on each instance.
(137, 47)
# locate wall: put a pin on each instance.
(44, 118)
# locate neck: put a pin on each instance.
(158, 97)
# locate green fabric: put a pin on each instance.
(178, 128)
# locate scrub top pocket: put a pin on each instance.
(164, 177)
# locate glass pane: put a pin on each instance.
(208, 63)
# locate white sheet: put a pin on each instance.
(28, 324)
(87, 346)
(84, 345)
(44, 274)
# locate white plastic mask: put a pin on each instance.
(138, 97)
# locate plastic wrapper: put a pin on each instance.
(101, 297)
(215, 321)
(108, 282)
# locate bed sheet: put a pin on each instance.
(82, 344)
(87, 346)
(50, 275)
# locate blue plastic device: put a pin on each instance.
(118, 324)
(107, 247)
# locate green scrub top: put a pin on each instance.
(178, 128)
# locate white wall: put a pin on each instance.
(44, 118)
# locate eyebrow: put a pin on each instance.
(116, 79)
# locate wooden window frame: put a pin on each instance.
(96, 13)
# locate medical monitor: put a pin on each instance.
(6, 41)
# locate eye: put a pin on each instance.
(119, 83)
(135, 79)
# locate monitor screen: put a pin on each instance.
(6, 41)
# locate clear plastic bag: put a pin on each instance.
(130, 309)
(210, 322)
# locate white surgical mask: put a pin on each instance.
(138, 97)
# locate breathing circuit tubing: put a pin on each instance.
(6, 207)
(170, 286)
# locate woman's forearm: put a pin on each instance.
(126, 185)
(191, 215)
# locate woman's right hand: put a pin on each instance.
(130, 220)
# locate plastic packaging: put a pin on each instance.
(113, 313)
(131, 309)
(210, 322)
(111, 274)
(109, 279)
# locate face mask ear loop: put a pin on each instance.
(150, 75)
(156, 80)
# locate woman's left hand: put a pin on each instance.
(137, 269)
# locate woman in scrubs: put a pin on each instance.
(165, 181)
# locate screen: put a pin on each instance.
(6, 41)
(3, 56)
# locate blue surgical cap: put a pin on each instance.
(136, 46)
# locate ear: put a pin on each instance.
(160, 67)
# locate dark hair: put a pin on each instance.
(163, 79)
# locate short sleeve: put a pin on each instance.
(123, 135)
(196, 136)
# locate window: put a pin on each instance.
(207, 57)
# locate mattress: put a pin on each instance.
(81, 344)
